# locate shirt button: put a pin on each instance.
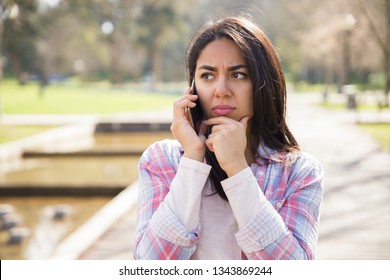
(279, 204)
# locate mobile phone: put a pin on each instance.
(195, 114)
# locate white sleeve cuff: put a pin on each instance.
(245, 196)
(185, 191)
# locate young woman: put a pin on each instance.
(237, 186)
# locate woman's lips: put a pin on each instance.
(222, 110)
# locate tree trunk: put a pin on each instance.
(387, 80)
(15, 63)
(387, 55)
(384, 43)
(115, 73)
(156, 67)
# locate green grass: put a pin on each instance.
(13, 132)
(380, 131)
(63, 99)
(303, 87)
(333, 105)
(72, 99)
(343, 106)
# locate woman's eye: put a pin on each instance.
(207, 76)
(240, 75)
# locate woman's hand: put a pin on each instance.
(228, 141)
(193, 144)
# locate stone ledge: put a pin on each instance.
(90, 232)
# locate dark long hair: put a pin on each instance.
(268, 125)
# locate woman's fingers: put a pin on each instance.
(227, 140)
(218, 122)
(185, 102)
(210, 145)
(182, 130)
(180, 107)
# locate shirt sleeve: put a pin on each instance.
(185, 193)
(239, 194)
(283, 229)
(165, 227)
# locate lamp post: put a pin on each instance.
(108, 29)
(349, 23)
(347, 89)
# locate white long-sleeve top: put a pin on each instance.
(272, 213)
(219, 219)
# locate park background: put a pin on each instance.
(76, 63)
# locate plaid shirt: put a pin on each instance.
(285, 228)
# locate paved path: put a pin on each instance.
(355, 219)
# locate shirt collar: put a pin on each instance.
(266, 153)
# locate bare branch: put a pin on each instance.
(373, 27)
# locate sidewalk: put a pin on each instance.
(355, 217)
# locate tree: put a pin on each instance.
(19, 36)
(88, 38)
(153, 22)
(378, 17)
(112, 20)
(347, 37)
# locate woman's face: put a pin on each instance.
(222, 81)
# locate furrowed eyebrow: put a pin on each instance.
(231, 68)
(236, 67)
(207, 67)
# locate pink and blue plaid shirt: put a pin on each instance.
(285, 228)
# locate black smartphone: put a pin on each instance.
(195, 114)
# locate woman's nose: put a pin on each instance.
(222, 88)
